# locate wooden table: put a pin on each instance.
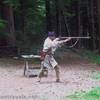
(27, 70)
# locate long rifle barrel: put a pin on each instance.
(76, 37)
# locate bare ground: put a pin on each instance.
(75, 76)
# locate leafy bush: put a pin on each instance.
(2, 23)
(95, 58)
(13, 3)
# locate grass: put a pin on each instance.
(90, 55)
(95, 75)
(95, 58)
(94, 94)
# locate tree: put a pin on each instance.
(98, 16)
(48, 15)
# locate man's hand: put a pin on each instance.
(68, 39)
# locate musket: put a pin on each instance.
(87, 37)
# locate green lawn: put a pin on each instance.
(94, 94)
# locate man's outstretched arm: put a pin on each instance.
(64, 41)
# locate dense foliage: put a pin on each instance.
(33, 18)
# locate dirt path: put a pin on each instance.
(75, 76)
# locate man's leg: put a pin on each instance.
(57, 73)
(40, 74)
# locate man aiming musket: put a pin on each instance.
(50, 45)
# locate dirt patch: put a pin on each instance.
(75, 76)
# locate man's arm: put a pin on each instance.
(64, 41)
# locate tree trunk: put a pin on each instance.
(98, 10)
(57, 17)
(79, 24)
(48, 16)
(12, 28)
(22, 18)
(92, 25)
(23, 14)
(8, 14)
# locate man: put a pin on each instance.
(48, 62)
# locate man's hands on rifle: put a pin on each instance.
(68, 39)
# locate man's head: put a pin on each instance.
(51, 35)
